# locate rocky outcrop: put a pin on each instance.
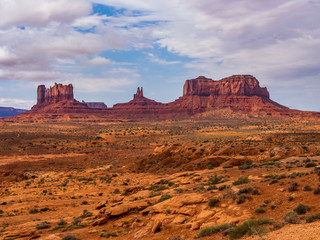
(201, 97)
(95, 104)
(54, 94)
(138, 107)
(236, 85)
(240, 93)
(139, 94)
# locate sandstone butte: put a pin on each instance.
(237, 94)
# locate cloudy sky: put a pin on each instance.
(107, 48)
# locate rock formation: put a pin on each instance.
(138, 107)
(54, 94)
(236, 85)
(56, 102)
(139, 94)
(95, 104)
(238, 93)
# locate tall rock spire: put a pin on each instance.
(139, 93)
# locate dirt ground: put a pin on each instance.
(218, 179)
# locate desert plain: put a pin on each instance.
(223, 177)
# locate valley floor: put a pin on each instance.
(219, 179)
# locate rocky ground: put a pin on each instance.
(221, 180)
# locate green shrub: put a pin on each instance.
(310, 164)
(70, 237)
(215, 179)
(301, 209)
(213, 202)
(307, 188)
(170, 184)
(164, 197)
(313, 217)
(227, 166)
(34, 210)
(61, 224)
(222, 187)
(255, 192)
(208, 231)
(244, 167)
(291, 217)
(316, 191)
(245, 190)
(157, 187)
(293, 187)
(86, 214)
(260, 210)
(250, 227)
(109, 234)
(241, 180)
(241, 198)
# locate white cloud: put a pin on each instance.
(40, 12)
(16, 103)
(101, 84)
(99, 61)
(158, 60)
(276, 40)
(29, 75)
(273, 39)
(6, 57)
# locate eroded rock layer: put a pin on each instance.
(57, 93)
(238, 93)
(236, 85)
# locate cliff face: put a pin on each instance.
(236, 85)
(54, 94)
(95, 104)
(238, 93)
(57, 100)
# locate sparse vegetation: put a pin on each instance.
(250, 227)
(109, 234)
(291, 217)
(213, 202)
(301, 209)
(70, 237)
(208, 231)
(157, 187)
(313, 217)
(124, 169)
(164, 197)
(241, 180)
(260, 210)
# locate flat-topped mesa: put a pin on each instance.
(95, 104)
(139, 94)
(236, 85)
(54, 94)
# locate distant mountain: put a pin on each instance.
(10, 111)
(201, 97)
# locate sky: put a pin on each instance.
(107, 48)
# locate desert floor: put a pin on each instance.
(217, 179)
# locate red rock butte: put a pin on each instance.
(53, 95)
(238, 93)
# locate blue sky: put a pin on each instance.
(107, 48)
